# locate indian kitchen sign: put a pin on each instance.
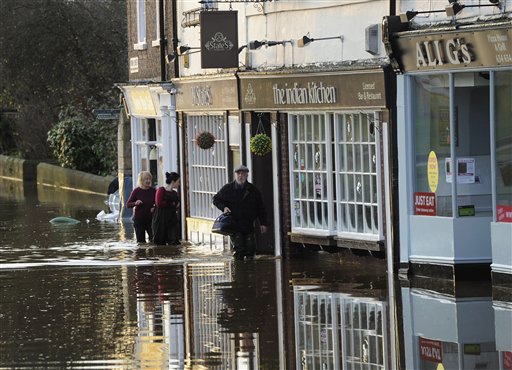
(454, 49)
(298, 91)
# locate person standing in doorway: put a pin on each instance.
(142, 200)
(243, 200)
(165, 217)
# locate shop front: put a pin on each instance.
(152, 133)
(455, 148)
(210, 135)
(327, 166)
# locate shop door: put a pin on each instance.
(262, 176)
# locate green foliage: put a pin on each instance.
(7, 135)
(55, 55)
(85, 145)
(205, 140)
(260, 144)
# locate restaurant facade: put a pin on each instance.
(454, 134)
(323, 182)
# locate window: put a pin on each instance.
(207, 167)
(503, 138)
(156, 41)
(333, 172)
(310, 153)
(147, 148)
(141, 25)
(442, 102)
(356, 174)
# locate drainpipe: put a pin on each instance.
(175, 38)
(161, 16)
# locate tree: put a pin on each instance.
(58, 54)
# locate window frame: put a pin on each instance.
(141, 43)
(332, 195)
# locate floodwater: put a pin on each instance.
(86, 296)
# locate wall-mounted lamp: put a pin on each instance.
(185, 49)
(169, 58)
(410, 14)
(254, 45)
(306, 40)
(455, 8)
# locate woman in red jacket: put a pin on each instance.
(142, 200)
(165, 218)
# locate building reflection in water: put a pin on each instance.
(454, 327)
(201, 314)
(339, 331)
(160, 337)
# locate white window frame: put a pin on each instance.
(141, 25)
(376, 232)
(321, 199)
(332, 173)
(141, 147)
(156, 41)
(207, 168)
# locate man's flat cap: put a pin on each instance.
(241, 168)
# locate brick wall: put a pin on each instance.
(149, 59)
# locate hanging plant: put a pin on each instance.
(261, 144)
(205, 140)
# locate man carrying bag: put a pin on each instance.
(243, 201)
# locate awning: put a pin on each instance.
(144, 100)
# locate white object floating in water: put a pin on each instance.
(102, 216)
(63, 220)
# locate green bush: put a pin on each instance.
(85, 145)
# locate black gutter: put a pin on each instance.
(161, 16)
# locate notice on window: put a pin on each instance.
(465, 170)
(431, 350)
(425, 204)
(432, 171)
(504, 213)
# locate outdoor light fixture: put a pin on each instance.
(306, 40)
(169, 58)
(254, 45)
(455, 8)
(410, 14)
(184, 49)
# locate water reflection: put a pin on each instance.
(85, 296)
(455, 326)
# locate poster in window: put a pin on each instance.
(465, 170)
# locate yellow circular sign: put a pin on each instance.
(432, 171)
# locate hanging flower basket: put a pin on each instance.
(205, 140)
(260, 144)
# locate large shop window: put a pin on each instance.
(334, 178)
(207, 167)
(503, 134)
(443, 103)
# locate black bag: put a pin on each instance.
(224, 224)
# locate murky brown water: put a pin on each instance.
(86, 296)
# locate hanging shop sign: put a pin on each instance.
(475, 48)
(206, 94)
(313, 91)
(219, 39)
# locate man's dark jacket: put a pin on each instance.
(245, 204)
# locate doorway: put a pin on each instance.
(262, 177)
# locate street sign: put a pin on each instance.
(106, 113)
